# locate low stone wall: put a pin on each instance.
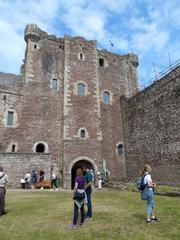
(16, 165)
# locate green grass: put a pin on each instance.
(116, 215)
(159, 188)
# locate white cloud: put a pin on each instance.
(150, 38)
(13, 18)
(150, 28)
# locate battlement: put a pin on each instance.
(32, 31)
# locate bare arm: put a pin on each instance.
(151, 184)
(75, 187)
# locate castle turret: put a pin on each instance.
(32, 38)
(32, 31)
(133, 59)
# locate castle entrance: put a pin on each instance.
(79, 164)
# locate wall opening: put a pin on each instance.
(10, 118)
(120, 149)
(106, 97)
(40, 148)
(81, 89)
(83, 134)
(101, 62)
(13, 148)
(77, 165)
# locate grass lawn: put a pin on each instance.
(45, 215)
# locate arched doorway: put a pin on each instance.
(79, 164)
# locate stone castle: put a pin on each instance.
(73, 104)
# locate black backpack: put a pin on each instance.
(140, 183)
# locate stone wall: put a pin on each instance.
(152, 130)
(16, 165)
(56, 117)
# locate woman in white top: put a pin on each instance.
(150, 194)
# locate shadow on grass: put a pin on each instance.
(138, 216)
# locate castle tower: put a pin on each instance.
(69, 113)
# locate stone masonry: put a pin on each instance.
(51, 121)
(151, 121)
(64, 110)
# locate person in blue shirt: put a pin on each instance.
(89, 179)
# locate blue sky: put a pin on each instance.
(148, 28)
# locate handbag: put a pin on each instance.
(79, 196)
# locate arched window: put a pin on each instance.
(106, 97)
(40, 148)
(81, 89)
(120, 149)
(83, 133)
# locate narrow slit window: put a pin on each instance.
(13, 148)
(101, 62)
(10, 118)
(54, 84)
(81, 56)
(81, 89)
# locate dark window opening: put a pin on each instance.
(83, 133)
(10, 118)
(61, 46)
(35, 46)
(79, 164)
(13, 148)
(101, 62)
(81, 56)
(40, 148)
(5, 98)
(120, 149)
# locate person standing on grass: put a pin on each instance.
(3, 182)
(33, 179)
(41, 179)
(27, 179)
(89, 179)
(80, 183)
(54, 180)
(150, 194)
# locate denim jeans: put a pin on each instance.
(89, 203)
(150, 201)
(75, 217)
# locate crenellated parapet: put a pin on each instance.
(32, 31)
(133, 59)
